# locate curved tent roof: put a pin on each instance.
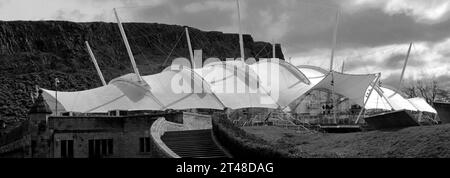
(313, 75)
(317, 70)
(235, 87)
(127, 93)
(178, 87)
(394, 101)
(100, 99)
(285, 82)
(376, 101)
(397, 101)
(422, 105)
(351, 86)
(232, 84)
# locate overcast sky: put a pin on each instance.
(373, 35)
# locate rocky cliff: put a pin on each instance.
(34, 53)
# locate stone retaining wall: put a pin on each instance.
(159, 127)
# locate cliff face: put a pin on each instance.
(34, 53)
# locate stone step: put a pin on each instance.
(193, 144)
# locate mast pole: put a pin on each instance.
(56, 96)
(333, 98)
(273, 50)
(95, 63)
(336, 25)
(365, 102)
(406, 63)
(127, 45)
(330, 97)
(189, 46)
(241, 38)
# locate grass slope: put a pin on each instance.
(413, 142)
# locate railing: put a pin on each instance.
(341, 119)
(297, 122)
(288, 121)
(275, 118)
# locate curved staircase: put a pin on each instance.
(193, 144)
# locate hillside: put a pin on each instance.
(412, 142)
(34, 53)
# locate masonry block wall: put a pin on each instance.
(117, 136)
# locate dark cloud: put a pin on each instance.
(398, 61)
(391, 80)
(367, 28)
(394, 62)
(174, 12)
(305, 25)
(445, 57)
(309, 24)
(301, 26)
(444, 82)
(358, 63)
(375, 28)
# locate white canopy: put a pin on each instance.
(100, 99)
(235, 87)
(232, 84)
(422, 105)
(377, 101)
(175, 90)
(351, 86)
(127, 93)
(395, 101)
(386, 98)
(290, 84)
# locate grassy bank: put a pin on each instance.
(241, 144)
(413, 142)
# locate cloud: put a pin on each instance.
(71, 10)
(427, 60)
(62, 15)
(430, 11)
(444, 82)
(373, 35)
(300, 25)
(196, 7)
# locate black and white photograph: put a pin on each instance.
(221, 79)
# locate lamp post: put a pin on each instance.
(56, 96)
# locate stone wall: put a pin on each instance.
(125, 132)
(191, 121)
(159, 148)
